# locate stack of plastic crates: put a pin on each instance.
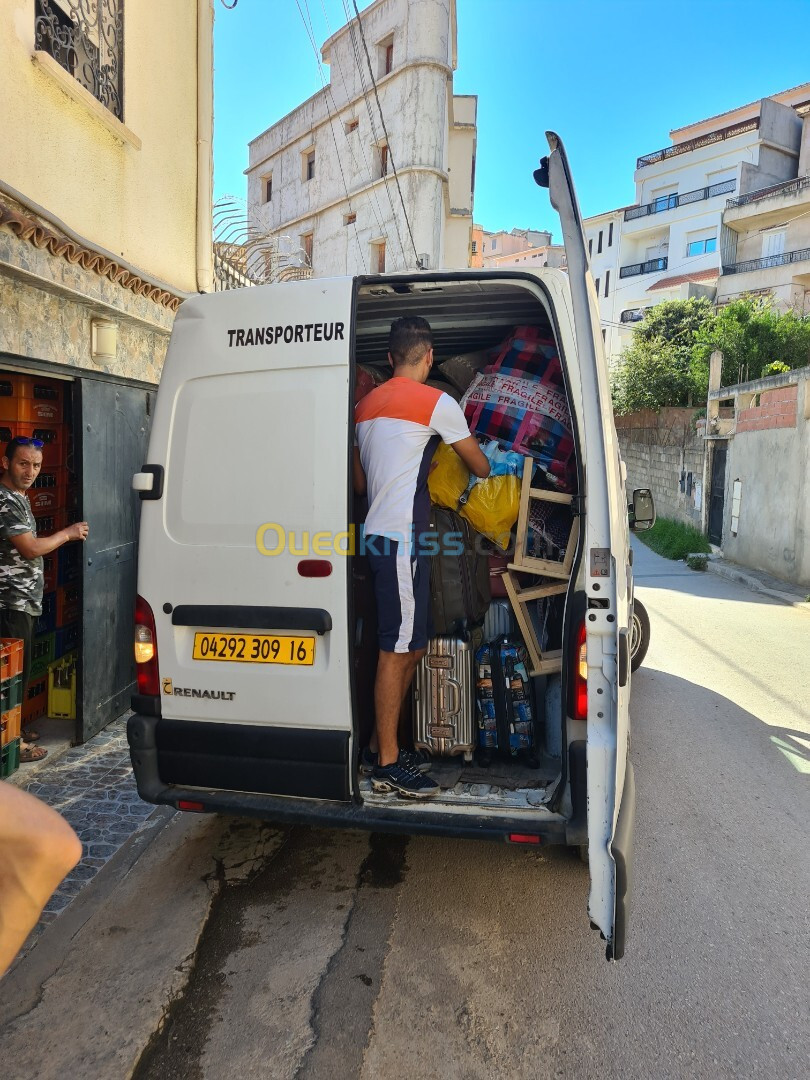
(11, 658)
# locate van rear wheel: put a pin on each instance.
(639, 634)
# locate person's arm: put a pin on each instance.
(473, 456)
(31, 547)
(359, 475)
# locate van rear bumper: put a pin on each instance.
(142, 736)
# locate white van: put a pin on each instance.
(249, 614)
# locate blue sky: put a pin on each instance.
(612, 78)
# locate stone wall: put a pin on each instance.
(664, 452)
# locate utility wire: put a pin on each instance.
(385, 130)
(311, 35)
(356, 50)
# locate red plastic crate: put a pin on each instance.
(68, 604)
(48, 524)
(35, 707)
(30, 398)
(11, 657)
(10, 724)
(45, 500)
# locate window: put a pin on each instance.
(349, 219)
(596, 283)
(607, 282)
(385, 57)
(599, 245)
(773, 243)
(268, 188)
(610, 235)
(309, 164)
(475, 247)
(604, 335)
(306, 247)
(590, 247)
(378, 257)
(383, 153)
(352, 125)
(493, 244)
(665, 202)
(702, 247)
(87, 40)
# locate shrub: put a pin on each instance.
(697, 562)
(673, 539)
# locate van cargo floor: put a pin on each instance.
(503, 785)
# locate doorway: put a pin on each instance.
(717, 492)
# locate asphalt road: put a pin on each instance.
(354, 956)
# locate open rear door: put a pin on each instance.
(611, 791)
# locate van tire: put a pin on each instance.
(639, 634)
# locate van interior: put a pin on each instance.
(466, 316)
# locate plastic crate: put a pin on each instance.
(26, 397)
(50, 570)
(36, 699)
(47, 620)
(68, 604)
(70, 564)
(11, 693)
(50, 523)
(46, 501)
(11, 657)
(66, 639)
(9, 758)
(43, 653)
(10, 723)
(62, 689)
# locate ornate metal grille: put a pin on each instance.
(86, 37)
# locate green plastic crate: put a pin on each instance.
(9, 758)
(10, 693)
(43, 654)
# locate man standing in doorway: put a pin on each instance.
(397, 429)
(21, 550)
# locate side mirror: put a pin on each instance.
(642, 510)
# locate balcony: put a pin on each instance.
(746, 267)
(695, 144)
(670, 202)
(789, 187)
(649, 267)
(629, 315)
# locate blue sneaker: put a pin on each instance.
(405, 781)
(411, 759)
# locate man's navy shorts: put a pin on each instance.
(402, 591)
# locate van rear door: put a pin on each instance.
(243, 556)
(611, 790)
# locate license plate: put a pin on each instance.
(255, 649)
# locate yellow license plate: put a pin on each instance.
(254, 649)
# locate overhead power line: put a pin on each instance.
(385, 130)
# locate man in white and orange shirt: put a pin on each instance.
(397, 428)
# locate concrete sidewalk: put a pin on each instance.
(761, 582)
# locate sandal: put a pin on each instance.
(32, 753)
(30, 736)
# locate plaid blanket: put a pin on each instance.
(520, 400)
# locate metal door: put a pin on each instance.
(111, 440)
(717, 494)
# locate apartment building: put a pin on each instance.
(376, 171)
(531, 258)
(105, 227)
(765, 237)
(669, 240)
(497, 244)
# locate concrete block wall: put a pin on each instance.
(660, 451)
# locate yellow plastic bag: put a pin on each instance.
(448, 477)
(492, 507)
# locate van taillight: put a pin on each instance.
(581, 677)
(146, 657)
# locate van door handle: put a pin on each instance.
(624, 656)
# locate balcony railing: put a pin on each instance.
(802, 255)
(635, 314)
(696, 144)
(648, 267)
(789, 187)
(670, 202)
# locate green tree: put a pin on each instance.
(752, 336)
(658, 368)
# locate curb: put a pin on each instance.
(733, 573)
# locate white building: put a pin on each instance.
(667, 245)
(377, 170)
(531, 258)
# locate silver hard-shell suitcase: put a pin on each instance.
(444, 699)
